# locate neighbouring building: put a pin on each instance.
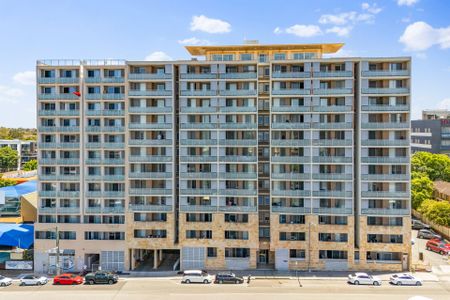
(256, 156)
(26, 150)
(432, 133)
(441, 191)
(18, 203)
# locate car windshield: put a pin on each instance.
(2, 277)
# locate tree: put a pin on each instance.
(436, 166)
(30, 165)
(7, 182)
(436, 211)
(8, 159)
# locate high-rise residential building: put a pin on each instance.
(432, 132)
(256, 156)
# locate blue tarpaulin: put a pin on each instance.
(17, 235)
(16, 191)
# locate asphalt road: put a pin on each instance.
(145, 288)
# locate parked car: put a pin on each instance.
(428, 234)
(101, 277)
(196, 276)
(33, 280)
(363, 278)
(405, 279)
(5, 281)
(417, 225)
(438, 246)
(228, 278)
(69, 279)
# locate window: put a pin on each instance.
(237, 252)
(332, 254)
(246, 56)
(279, 56)
(292, 236)
(296, 253)
(211, 252)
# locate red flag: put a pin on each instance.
(77, 94)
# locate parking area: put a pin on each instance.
(430, 258)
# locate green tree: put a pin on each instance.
(30, 165)
(436, 211)
(8, 159)
(436, 166)
(7, 182)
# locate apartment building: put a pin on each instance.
(432, 132)
(25, 149)
(248, 156)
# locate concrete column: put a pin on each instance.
(133, 259)
(155, 259)
(160, 255)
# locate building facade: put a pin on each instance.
(26, 150)
(257, 156)
(431, 134)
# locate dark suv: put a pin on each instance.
(101, 277)
(417, 225)
(228, 278)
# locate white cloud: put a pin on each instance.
(420, 36)
(25, 78)
(406, 2)
(340, 31)
(304, 30)
(339, 19)
(341, 53)
(205, 24)
(158, 56)
(278, 30)
(406, 20)
(373, 9)
(10, 95)
(194, 41)
(444, 104)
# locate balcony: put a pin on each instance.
(386, 73)
(331, 74)
(385, 125)
(332, 125)
(386, 177)
(150, 109)
(238, 208)
(149, 93)
(166, 142)
(93, 96)
(58, 80)
(113, 210)
(149, 126)
(113, 194)
(333, 210)
(149, 158)
(331, 91)
(149, 175)
(113, 161)
(69, 194)
(290, 176)
(291, 74)
(105, 112)
(68, 210)
(292, 142)
(150, 191)
(291, 92)
(199, 191)
(48, 194)
(238, 175)
(322, 176)
(198, 125)
(385, 160)
(340, 194)
(198, 76)
(237, 93)
(242, 75)
(238, 192)
(197, 142)
(149, 76)
(63, 145)
(56, 96)
(238, 158)
(238, 126)
(198, 208)
(238, 109)
(291, 209)
(385, 194)
(149, 208)
(332, 159)
(44, 113)
(199, 109)
(291, 159)
(332, 108)
(386, 211)
(385, 91)
(198, 158)
(286, 108)
(332, 142)
(290, 193)
(379, 107)
(195, 93)
(198, 175)
(289, 125)
(245, 142)
(90, 145)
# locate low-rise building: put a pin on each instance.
(441, 191)
(431, 133)
(27, 150)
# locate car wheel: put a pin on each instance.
(418, 283)
(221, 281)
(187, 281)
(91, 282)
(3, 284)
(38, 283)
(356, 282)
(441, 253)
(236, 282)
(399, 283)
(205, 281)
(22, 284)
(376, 283)
(110, 281)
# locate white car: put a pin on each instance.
(5, 281)
(405, 279)
(363, 278)
(33, 280)
(196, 276)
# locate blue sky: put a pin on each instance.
(137, 30)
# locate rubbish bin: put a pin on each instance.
(421, 256)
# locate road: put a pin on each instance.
(261, 289)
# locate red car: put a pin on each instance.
(438, 246)
(68, 279)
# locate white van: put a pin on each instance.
(196, 276)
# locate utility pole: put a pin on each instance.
(58, 271)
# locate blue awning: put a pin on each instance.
(17, 235)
